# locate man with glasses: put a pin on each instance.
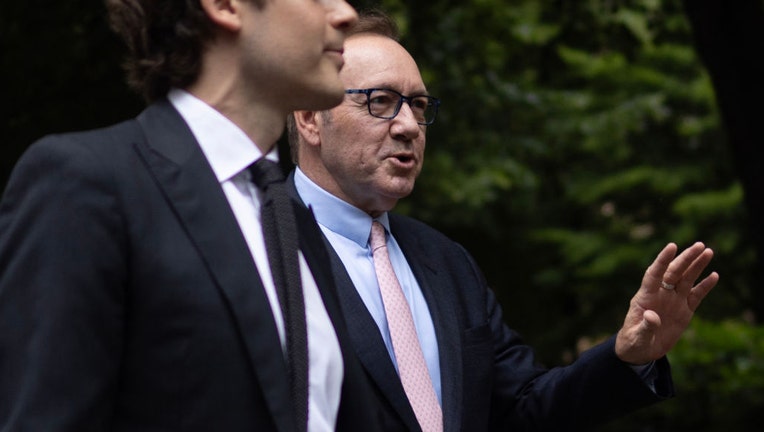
(429, 332)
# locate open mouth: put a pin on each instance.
(404, 160)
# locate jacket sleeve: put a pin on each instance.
(526, 395)
(589, 392)
(62, 273)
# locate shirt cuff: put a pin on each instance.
(647, 372)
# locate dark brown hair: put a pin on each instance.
(375, 21)
(165, 40)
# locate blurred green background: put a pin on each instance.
(575, 139)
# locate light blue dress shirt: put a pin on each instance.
(347, 228)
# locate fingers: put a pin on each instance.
(680, 272)
(679, 266)
(692, 273)
(699, 291)
(655, 272)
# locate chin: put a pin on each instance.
(331, 85)
(335, 97)
(401, 192)
(323, 98)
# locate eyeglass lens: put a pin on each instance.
(386, 104)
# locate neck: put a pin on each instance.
(355, 195)
(222, 86)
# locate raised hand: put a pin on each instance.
(664, 305)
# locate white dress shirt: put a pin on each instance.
(230, 152)
(347, 228)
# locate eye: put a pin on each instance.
(381, 99)
(420, 103)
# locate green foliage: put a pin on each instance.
(718, 371)
(576, 138)
(574, 141)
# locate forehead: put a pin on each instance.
(378, 61)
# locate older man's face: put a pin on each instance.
(373, 162)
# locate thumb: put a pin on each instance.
(650, 322)
(634, 344)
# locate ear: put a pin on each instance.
(307, 126)
(224, 13)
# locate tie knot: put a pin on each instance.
(377, 238)
(264, 172)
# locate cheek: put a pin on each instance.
(302, 47)
(353, 144)
(420, 147)
(349, 155)
(364, 160)
(362, 146)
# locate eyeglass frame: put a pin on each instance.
(401, 98)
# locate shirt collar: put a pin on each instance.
(226, 147)
(335, 214)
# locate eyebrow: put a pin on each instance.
(391, 87)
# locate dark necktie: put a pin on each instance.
(280, 233)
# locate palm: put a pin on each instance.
(658, 316)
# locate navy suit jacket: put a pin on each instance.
(490, 379)
(128, 296)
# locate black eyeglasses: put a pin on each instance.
(386, 104)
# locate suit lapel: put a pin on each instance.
(362, 330)
(355, 405)
(440, 301)
(190, 186)
(368, 344)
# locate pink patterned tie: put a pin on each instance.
(411, 365)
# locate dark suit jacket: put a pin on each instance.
(128, 296)
(490, 379)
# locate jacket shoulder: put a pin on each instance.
(406, 225)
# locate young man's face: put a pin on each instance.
(293, 51)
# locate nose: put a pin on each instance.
(343, 15)
(404, 125)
